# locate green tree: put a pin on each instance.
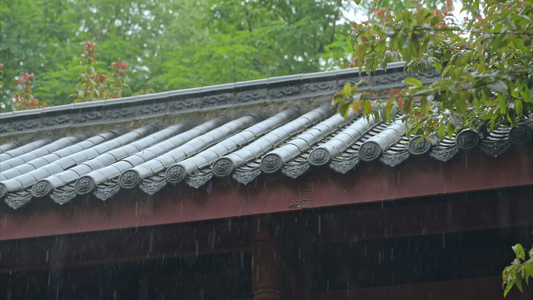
(486, 64)
(236, 41)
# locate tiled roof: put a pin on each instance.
(151, 156)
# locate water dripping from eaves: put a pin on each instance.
(209, 187)
(242, 259)
(443, 240)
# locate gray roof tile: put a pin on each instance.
(243, 147)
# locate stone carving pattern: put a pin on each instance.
(105, 192)
(62, 196)
(175, 174)
(418, 148)
(319, 156)
(153, 109)
(216, 100)
(444, 154)
(520, 135)
(245, 177)
(130, 179)
(197, 180)
(295, 170)
(84, 185)
(90, 116)
(26, 125)
(125, 112)
(318, 86)
(285, 91)
(271, 163)
(56, 121)
(343, 165)
(41, 188)
(352, 82)
(467, 139)
(184, 104)
(389, 78)
(369, 151)
(251, 96)
(18, 199)
(394, 159)
(223, 167)
(152, 186)
(495, 148)
(3, 128)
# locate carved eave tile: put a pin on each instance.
(197, 180)
(397, 153)
(175, 174)
(393, 159)
(496, 142)
(107, 190)
(319, 156)
(18, 199)
(444, 150)
(63, 194)
(467, 139)
(344, 164)
(153, 184)
(296, 168)
(271, 163)
(246, 175)
(495, 148)
(84, 185)
(521, 135)
(419, 146)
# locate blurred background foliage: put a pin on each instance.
(169, 44)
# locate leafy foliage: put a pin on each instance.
(92, 85)
(519, 270)
(23, 98)
(97, 86)
(486, 65)
(169, 44)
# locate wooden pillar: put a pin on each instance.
(265, 262)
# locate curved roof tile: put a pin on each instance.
(224, 166)
(24, 181)
(104, 164)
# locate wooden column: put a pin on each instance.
(265, 262)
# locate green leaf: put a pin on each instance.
(451, 129)
(519, 251)
(347, 90)
(502, 104)
(519, 107)
(499, 86)
(508, 288)
(437, 65)
(413, 81)
(424, 105)
(460, 103)
(442, 131)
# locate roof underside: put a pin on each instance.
(283, 138)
